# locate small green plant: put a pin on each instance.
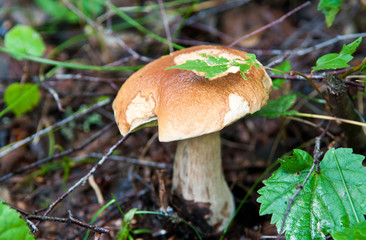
(279, 107)
(330, 9)
(212, 66)
(26, 40)
(126, 231)
(60, 12)
(331, 200)
(338, 60)
(285, 67)
(12, 226)
(21, 98)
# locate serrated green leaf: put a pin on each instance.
(330, 9)
(323, 205)
(12, 226)
(212, 66)
(25, 96)
(277, 108)
(356, 232)
(297, 162)
(24, 39)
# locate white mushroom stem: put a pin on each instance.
(198, 178)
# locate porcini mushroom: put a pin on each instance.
(192, 109)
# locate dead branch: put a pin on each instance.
(85, 178)
(54, 126)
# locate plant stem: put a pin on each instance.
(342, 106)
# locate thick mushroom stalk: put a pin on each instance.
(198, 179)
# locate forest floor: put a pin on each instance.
(63, 156)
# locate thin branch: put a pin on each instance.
(166, 25)
(55, 96)
(57, 155)
(70, 220)
(270, 24)
(85, 178)
(79, 76)
(134, 161)
(54, 126)
(304, 51)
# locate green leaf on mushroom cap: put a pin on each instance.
(212, 66)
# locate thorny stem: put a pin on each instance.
(316, 160)
(85, 178)
(270, 24)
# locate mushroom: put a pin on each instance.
(192, 109)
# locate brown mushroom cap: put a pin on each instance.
(186, 104)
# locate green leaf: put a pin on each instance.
(330, 201)
(212, 66)
(335, 60)
(23, 39)
(125, 230)
(286, 67)
(332, 61)
(21, 98)
(330, 9)
(351, 48)
(357, 231)
(299, 161)
(277, 108)
(12, 226)
(57, 10)
(363, 68)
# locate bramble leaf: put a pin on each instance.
(330, 9)
(24, 39)
(212, 66)
(357, 231)
(21, 98)
(299, 161)
(330, 201)
(277, 108)
(338, 60)
(12, 226)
